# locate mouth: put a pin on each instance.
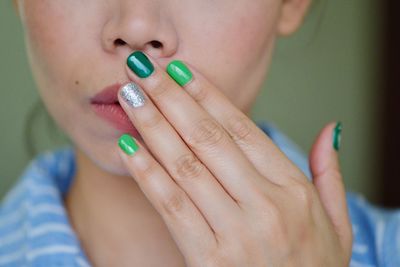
(107, 96)
(106, 105)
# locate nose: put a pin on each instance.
(139, 25)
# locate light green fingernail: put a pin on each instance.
(337, 136)
(128, 144)
(179, 72)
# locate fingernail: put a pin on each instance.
(133, 95)
(128, 144)
(337, 136)
(179, 72)
(140, 64)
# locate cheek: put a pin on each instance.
(239, 48)
(60, 43)
(244, 39)
(55, 47)
(45, 32)
(56, 38)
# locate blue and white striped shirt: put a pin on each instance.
(35, 229)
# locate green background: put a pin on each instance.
(328, 71)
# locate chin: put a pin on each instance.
(106, 158)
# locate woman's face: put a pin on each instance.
(77, 48)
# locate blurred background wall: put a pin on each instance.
(329, 70)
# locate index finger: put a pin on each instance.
(200, 132)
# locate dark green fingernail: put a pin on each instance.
(337, 136)
(179, 72)
(128, 144)
(140, 64)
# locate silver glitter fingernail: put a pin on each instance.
(133, 95)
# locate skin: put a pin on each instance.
(240, 208)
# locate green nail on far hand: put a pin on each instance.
(337, 136)
(179, 72)
(128, 144)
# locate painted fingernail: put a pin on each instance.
(128, 144)
(337, 136)
(179, 72)
(140, 64)
(133, 95)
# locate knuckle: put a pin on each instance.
(198, 93)
(143, 167)
(174, 204)
(206, 133)
(259, 198)
(336, 174)
(304, 193)
(152, 120)
(146, 168)
(272, 226)
(272, 219)
(188, 167)
(239, 128)
(159, 87)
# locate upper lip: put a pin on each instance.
(109, 95)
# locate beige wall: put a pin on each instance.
(327, 71)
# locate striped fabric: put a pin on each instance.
(35, 230)
(34, 226)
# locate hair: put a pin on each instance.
(57, 137)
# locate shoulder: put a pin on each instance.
(376, 233)
(49, 173)
(34, 226)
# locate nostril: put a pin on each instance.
(119, 42)
(156, 44)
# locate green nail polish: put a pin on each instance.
(337, 136)
(140, 64)
(179, 72)
(128, 144)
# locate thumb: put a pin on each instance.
(327, 178)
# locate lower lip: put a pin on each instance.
(114, 114)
